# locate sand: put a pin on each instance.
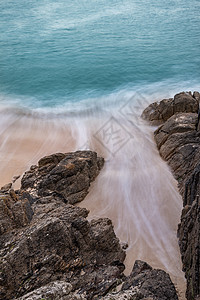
(135, 189)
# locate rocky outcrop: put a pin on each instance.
(63, 175)
(50, 250)
(159, 112)
(57, 290)
(143, 283)
(14, 212)
(178, 141)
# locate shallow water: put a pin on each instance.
(135, 187)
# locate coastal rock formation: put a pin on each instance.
(157, 113)
(14, 212)
(63, 175)
(50, 250)
(178, 141)
(57, 290)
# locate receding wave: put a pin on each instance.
(135, 188)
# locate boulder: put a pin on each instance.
(159, 112)
(178, 141)
(57, 290)
(67, 176)
(145, 282)
(48, 248)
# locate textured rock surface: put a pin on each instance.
(66, 175)
(14, 213)
(178, 141)
(146, 283)
(48, 249)
(157, 113)
(57, 290)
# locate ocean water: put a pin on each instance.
(53, 53)
(77, 75)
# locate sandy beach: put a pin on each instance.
(135, 189)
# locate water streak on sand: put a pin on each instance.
(135, 188)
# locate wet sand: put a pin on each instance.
(135, 188)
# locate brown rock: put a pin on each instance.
(66, 175)
(157, 113)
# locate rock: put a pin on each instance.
(196, 95)
(178, 141)
(59, 244)
(66, 175)
(6, 188)
(15, 178)
(56, 253)
(62, 245)
(189, 234)
(57, 290)
(14, 213)
(145, 282)
(157, 113)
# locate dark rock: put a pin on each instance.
(6, 188)
(178, 141)
(66, 175)
(189, 234)
(57, 253)
(145, 283)
(62, 245)
(157, 113)
(56, 290)
(14, 213)
(153, 283)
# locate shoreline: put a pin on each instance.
(177, 140)
(36, 140)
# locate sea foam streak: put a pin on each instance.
(135, 188)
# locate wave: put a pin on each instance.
(81, 104)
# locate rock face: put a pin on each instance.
(14, 213)
(157, 113)
(57, 290)
(65, 175)
(50, 250)
(178, 141)
(145, 283)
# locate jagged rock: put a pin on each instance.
(66, 175)
(14, 213)
(145, 282)
(189, 234)
(62, 245)
(57, 290)
(59, 254)
(157, 113)
(178, 141)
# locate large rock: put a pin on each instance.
(159, 112)
(189, 234)
(178, 141)
(57, 290)
(145, 282)
(65, 175)
(56, 253)
(62, 245)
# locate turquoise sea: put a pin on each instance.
(53, 53)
